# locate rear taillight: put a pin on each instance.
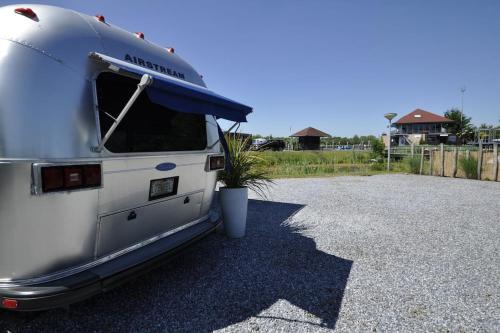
(9, 303)
(70, 177)
(216, 162)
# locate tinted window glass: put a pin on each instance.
(147, 127)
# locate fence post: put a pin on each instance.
(455, 161)
(495, 161)
(479, 160)
(441, 164)
(421, 160)
(412, 149)
(467, 154)
(431, 150)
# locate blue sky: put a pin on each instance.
(335, 65)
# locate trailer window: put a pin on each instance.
(147, 127)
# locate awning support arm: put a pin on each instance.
(234, 125)
(146, 80)
(228, 131)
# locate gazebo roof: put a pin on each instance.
(310, 131)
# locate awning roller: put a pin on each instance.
(179, 95)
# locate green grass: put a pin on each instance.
(468, 166)
(296, 164)
(412, 164)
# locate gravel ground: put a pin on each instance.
(382, 253)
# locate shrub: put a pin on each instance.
(412, 164)
(469, 167)
(378, 166)
(377, 147)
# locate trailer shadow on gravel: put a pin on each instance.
(214, 284)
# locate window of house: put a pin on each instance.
(147, 127)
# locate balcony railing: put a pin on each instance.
(429, 131)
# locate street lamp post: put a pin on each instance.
(462, 90)
(390, 117)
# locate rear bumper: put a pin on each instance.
(106, 276)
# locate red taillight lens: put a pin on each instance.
(9, 303)
(70, 177)
(52, 179)
(92, 175)
(216, 162)
(28, 12)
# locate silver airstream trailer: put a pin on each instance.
(109, 148)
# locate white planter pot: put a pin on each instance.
(234, 204)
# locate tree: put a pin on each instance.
(367, 138)
(485, 126)
(461, 126)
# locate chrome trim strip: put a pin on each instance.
(148, 168)
(78, 269)
(136, 156)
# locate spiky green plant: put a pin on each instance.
(246, 170)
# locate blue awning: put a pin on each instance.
(179, 95)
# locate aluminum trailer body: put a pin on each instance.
(77, 217)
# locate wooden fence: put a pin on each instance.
(445, 162)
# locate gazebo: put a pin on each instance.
(310, 138)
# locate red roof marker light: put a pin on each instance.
(28, 12)
(140, 35)
(100, 18)
(171, 49)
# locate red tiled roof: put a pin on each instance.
(419, 116)
(311, 132)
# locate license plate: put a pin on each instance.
(165, 187)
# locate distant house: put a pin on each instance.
(310, 138)
(422, 126)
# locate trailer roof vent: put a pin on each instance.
(171, 49)
(28, 12)
(140, 35)
(100, 18)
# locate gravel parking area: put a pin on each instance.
(398, 253)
